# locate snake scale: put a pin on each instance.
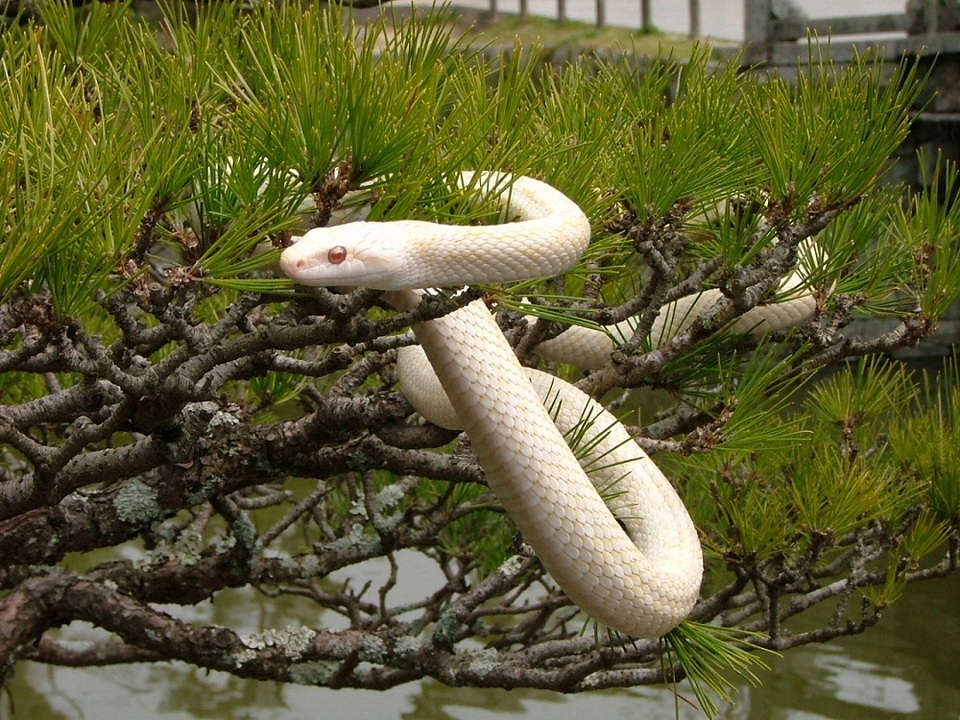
(633, 561)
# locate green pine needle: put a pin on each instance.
(707, 653)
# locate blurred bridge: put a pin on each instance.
(776, 35)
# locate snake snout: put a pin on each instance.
(292, 265)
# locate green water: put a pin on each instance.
(907, 667)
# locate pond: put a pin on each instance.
(906, 667)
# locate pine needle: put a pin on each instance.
(706, 653)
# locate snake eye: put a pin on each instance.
(336, 255)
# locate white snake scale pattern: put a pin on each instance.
(633, 562)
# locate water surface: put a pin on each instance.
(906, 667)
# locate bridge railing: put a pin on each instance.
(768, 22)
(600, 12)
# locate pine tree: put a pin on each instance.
(176, 420)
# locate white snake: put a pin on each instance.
(632, 562)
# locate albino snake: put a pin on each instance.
(632, 562)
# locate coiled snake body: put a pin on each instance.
(632, 562)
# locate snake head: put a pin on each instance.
(342, 256)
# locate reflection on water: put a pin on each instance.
(907, 667)
(867, 684)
